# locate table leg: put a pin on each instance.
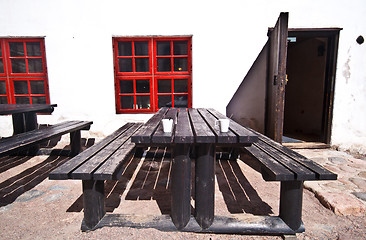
(75, 142)
(291, 203)
(94, 208)
(18, 123)
(181, 186)
(205, 184)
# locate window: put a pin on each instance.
(151, 73)
(23, 72)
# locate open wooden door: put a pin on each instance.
(276, 81)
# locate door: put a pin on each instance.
(276, 80)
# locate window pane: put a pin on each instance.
(35, 65)
(143, 86)
(33, 49)
(125, 64)
(181, 86)
(18, 66)
(180, 101)
(126, 86)
(1, 66)
(22, 100)
(38, 100)
(37, 87)
(180, 48)
(16, 49)
(164, 65)
(142, 102)
(180, 64)
(127, 102)
(142, 64)
(21, 87)
(2, 87)
(125, 48)
(142, 48)
(163, 48)
(164, 101)
(3, 100)
(164, 86)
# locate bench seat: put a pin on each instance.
(31, 138)
(100, 162)
(279, 163)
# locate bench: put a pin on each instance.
(278, 163)
(102, 161)
(31, 139)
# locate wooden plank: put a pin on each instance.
(201, 130)
(144, 134)
(183, 130)
(86, 170)
(63, 171)
(321, 172)
(159, 135)
(301, 172)
(22, 108)
(274, 170)
(40, 135)
(221, 137)
(244, 135)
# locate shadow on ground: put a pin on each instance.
(152, 182)
(13, 187)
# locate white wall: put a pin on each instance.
(227, 37)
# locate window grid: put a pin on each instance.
(176, 66)
(25, 73)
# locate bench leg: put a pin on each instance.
(181, 186)
(205, 184)
(93, 197)
(75, 142)
(291, 203)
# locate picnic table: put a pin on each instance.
(194, 130)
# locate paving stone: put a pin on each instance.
(359, 182)
(362, 174)
(29, 195)
(342, 204)
(337, 160)
(360, 195)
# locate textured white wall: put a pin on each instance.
(227, 37)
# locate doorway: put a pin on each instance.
(311, 62)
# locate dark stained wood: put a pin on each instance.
(160, 136)
(22, 108)
(181, 186)
(201, 130)
(183, 131)
(144, 135)
(86, 170)
(24, 140)
(320, 172)
(221, 137)
(274, 171)
(64, 171)
(280, 163)
(244, 135)
(277, 78)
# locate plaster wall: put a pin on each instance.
(227, 37)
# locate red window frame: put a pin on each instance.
(180, 59)
(33, 74)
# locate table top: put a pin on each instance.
(6, 109)
(192, 125)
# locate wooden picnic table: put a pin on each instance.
(25, 115)
(194, 129)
